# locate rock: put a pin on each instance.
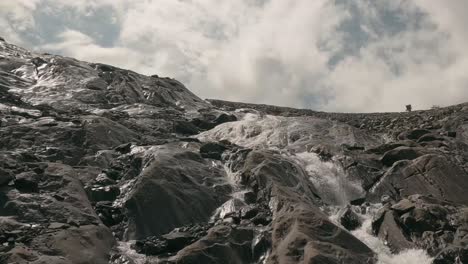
(167, 195)
(386, 199)
(154, 247)
(56, 225)
(390, 146)
(5, 176)
(349, 219)
(212, 150)
(249, 197)
(452, 134)
(452, 255)
(249, 212)
(224, 118)
(124, 148)
(177, 240)
(261, 218)
(222, 244)
(27, 182)
(185, 128)
(103, 180)
(400, 153)
(403, 206)
(429, 174)
(391, 232)
(414, 134)
(429, 137)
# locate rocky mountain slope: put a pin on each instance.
(104, 165)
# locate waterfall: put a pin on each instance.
(329, 179)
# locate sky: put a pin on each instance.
(330, 55)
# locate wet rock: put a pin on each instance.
(249, 212)
(212, 150)
(222, 244)
(124, 148)
(349, 219)
(102, 193)
(177, 240)
(391, 232)
(109, 214)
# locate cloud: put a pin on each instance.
(335, 55)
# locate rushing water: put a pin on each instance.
(412, 256)
(329, 179)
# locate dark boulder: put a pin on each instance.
(5, 176)
(381, 149)
(349, 219)
(176, 189)
(185, 128)
(429, 138)
(212, 150)
(224, 118)
(124, 148)
(400, 153)
(27, 182)
(413, 134)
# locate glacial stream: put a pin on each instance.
(328, 177)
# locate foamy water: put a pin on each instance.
(128, 255)
(411, 256)
(384, 254)
(329, 179)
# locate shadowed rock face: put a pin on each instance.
(176, 188)
(93, 157)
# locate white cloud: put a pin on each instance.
(337, 55)
(78, 45)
